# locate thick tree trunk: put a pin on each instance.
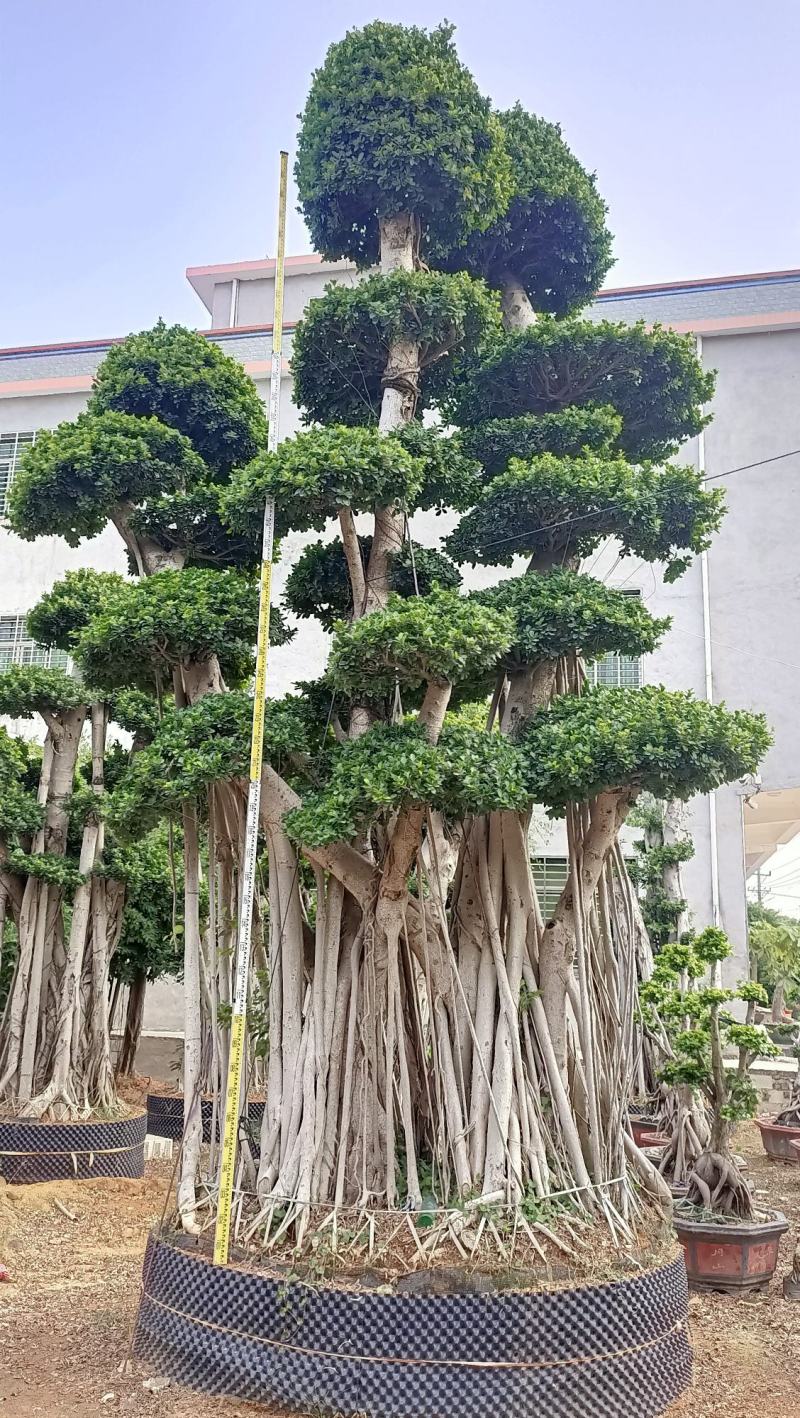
(132, 1029)
(529, 690)
(28, 997)
(518, 313)
(399, 236)
(62, 1088)
(192, 1124)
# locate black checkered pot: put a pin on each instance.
(32, 1151)
(602, 1351)
(165, 1116)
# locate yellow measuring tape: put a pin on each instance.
(244, 943)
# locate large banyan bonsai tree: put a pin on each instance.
(67, 885)
(436, 1026)
(169, 417)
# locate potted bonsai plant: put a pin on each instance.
(775, 947)
(781, 1134)
(729, 1244)
(680, 1115)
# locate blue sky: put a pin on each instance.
(141, 136)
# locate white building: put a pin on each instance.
(736, 613)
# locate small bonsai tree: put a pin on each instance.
(775, 949)
(661, 851)
(705, 1028)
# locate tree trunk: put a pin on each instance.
(192, 1126)
(518, 313)
(398, 237)
(529, 690)
(23, 1021)
(132, 1031)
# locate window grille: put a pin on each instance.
(12, 446)
(17, 647)
(549, 877)
(617, 671)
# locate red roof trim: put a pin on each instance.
(607, 293)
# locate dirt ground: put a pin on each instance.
(66, 1316)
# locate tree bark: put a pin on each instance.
(398, 241)
(132, 1030)
(518, 313)
(192, 1126)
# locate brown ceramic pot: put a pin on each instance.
(730, 1256)
(778, 1140)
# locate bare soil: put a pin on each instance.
(66, 1316)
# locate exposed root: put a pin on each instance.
(716, 1184)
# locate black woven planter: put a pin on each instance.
(605, 1351)
(32, 1151)
(165, 1116)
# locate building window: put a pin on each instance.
(549, 877)
(17, 647)
(12, 446)
(617, 671)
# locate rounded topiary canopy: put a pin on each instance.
(442, 638)
(560, 507)
(64, 611)
(183, 379)
(74, 476)
(552, 237)
(205, 743)
(394, 123)
(313, 474)
(652, 378)
(660, 741)
(342, 344)
(566, 611)
(173, 618)
(565, 433)
(393, 766)
(26, 690)
(318, 584)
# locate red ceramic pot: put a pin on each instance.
(778, 1140)
(732, 1256)
(644, 1129)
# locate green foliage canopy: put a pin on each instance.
(393, 766)
(341, 346)
(567, 506)
(187, 382)
(394, 123)
(173, 618)
(652, 378)
(440, 638)
(27, 690)
(552, 236)
(74, 477)
(313, 474)
(565, 611)
(205, 743)
(565, 433)
(318, 584)
(63, 612)
(660, 741)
